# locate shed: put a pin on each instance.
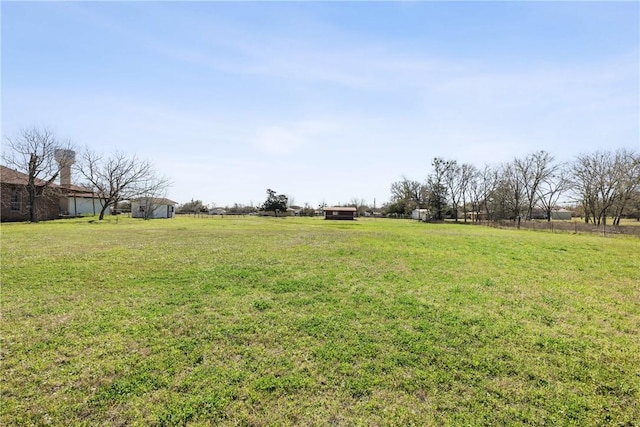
(153, 207)
(339, 212)
(420, 214)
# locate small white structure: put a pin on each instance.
(153, 207)
(78, 204)
(80, 201)
(420, 214)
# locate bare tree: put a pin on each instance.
(489, 179)
(552, 186)
(118, 177)
(628, 165)
(468, 176)
(453, 181)
(32, 152)
(511, 193)
(596, 179)
(360, 205)
(532, 170)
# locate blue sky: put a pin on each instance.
(323, 101)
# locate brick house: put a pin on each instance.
(54, 202)
(14, 198)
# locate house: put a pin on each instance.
(153, 207)
(339, 212)
(15, 198)
(217, 211)
(420, 214)
(56, 200)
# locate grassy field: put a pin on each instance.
(265, 321)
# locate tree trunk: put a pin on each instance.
(32, 205)
(102, 211)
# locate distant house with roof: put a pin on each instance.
(339, 212)
(14, 197)
(153, 207)
(55, 201)
(217, 211)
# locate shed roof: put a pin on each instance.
(156, 200)
(340, 208)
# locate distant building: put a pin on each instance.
(152, 208)
(556, 214)
(339, 212)
(561, 214)
(420, 214)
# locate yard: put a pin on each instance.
(301, 321)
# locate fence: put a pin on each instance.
(566, 227)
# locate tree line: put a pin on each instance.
(600, 184)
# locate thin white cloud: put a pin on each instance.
(293, 136)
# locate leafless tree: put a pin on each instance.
(32, 152)
(552, 187)
(596, 180)
(628, 165)
(360, 205)
(489, 179)
(510, 191)
(531, 171)
(468, 179)
(452, 179)
(119, 177)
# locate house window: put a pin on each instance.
(335, 212)
(16, 200)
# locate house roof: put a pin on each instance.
(340, 208)
(12, 176)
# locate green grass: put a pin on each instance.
(265, 321)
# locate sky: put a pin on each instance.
(322, 101)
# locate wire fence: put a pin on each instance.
(566, 227)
